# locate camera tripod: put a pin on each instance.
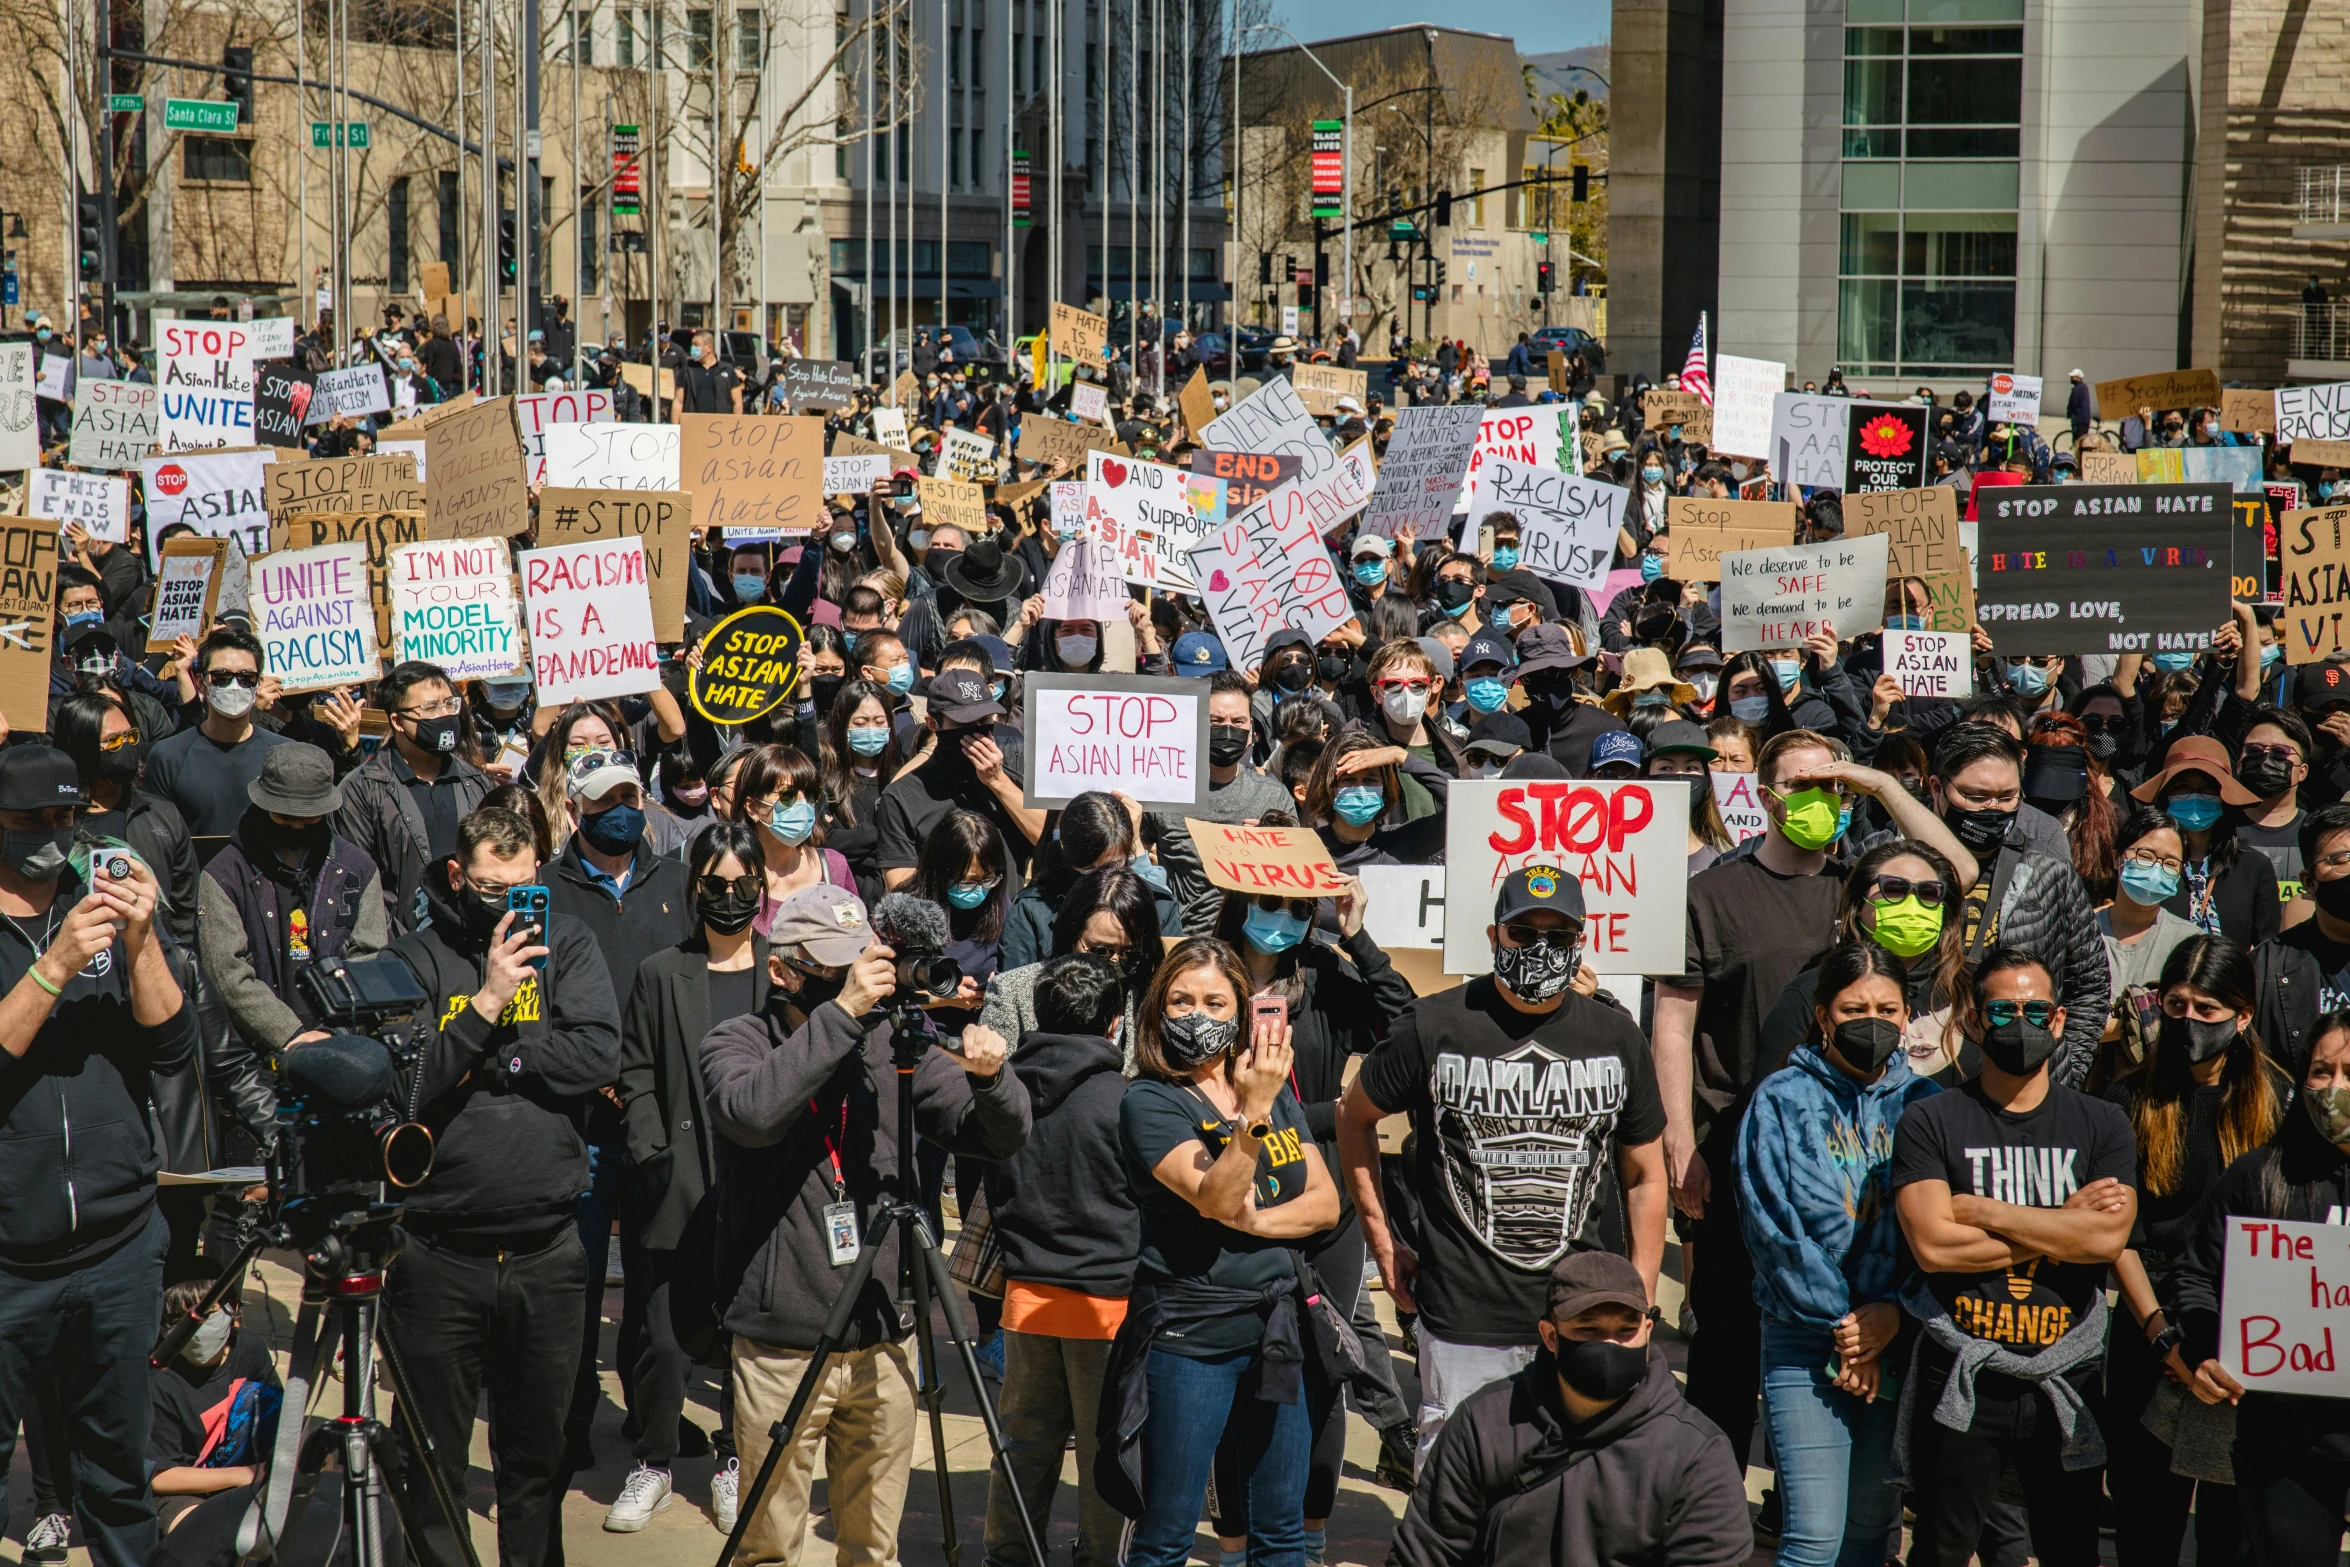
(922, 1277)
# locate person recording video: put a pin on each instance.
(804, 1096)
(491, 1288)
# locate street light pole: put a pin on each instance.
(1347, 156)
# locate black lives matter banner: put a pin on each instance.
(2104, 568)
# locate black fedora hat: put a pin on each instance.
(984, 574)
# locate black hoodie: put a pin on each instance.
(1063, 1212)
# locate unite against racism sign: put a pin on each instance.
(312, 611)
(1627, 843)
(1138, 735)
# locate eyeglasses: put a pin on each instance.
(114, 743)
(250, 679)
(1892, 889)
(714, 888)
(2171, 862)
(2037, 1013)
(497, 889)
(1562, 939)
(2285, 753)
(2337, 861)
(446, 707)
(1114, 951)
(2099, 723)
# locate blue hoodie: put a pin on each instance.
(1815, 1188)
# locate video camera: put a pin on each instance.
(349, 1099)
(916, 930)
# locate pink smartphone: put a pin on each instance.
(1271, 1012)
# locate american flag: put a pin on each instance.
(1693, 376)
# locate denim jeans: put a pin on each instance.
(1190, 1403)
(1832, 1452)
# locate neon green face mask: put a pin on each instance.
(1811, 817)
(1907, 928)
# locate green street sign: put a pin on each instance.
(125, 103)
(198, 114)
(1538, 236)
(323, 133)
(1402, 228)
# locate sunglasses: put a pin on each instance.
(591, 761)
(114, 743)
(248, 678)
(1892, 889)
(2037, 1013)
(1559, 940)
(714, 888)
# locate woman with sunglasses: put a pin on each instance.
(2223, 890)
(2140, 930)
(718, 972)
(2205, 1095)
(775, 793)
(1111, 914)
(1828, 1256)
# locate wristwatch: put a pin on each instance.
(2170, 1338)
(1260, 1130)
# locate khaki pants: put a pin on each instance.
(865, 1418)
(1052, 1390)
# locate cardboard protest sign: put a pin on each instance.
(855, 474)
(591, 620)
(847, 445)
(535, 412)
(1699, 531)
(750, 665)
(963, 454)
(1742, 809)
(1920, 527)
(2283, 1285)
(1427, 461)
(1197, 402)
(2247, 412)
(353, 394)
(2314, 547)
(614, 456)
(187, 586)
(757, 473)
(1272, 420)
(1089, 401)
(2085, 568)
(1744, 390)
(1775, 598)
(312, 612)
(2108, 468)
(1043, 439)
(1626, 843)
(1078, 334)
(1320, 387)
(1138, 735)
(1555, 373)
(818, 384)
(219, 494)
(1151, 516)
(1291, 861)
(1403, 905)
(1086, 582)
(2014, 398)
(1527, 436)
(1662, 411)
(114, 425)
(1566, 525)
(1266, 570)
(206, 376)
(1931, 663)
(2118, 399)
(663, 519)
(344, 484)
(453, 604)
(100, 503)
(1808, 436)
(952, 503)
(1886, 449)
(478, 490)
(1247, 477)
(1012, 496)
(28, 599)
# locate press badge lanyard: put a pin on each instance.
(840, 1215)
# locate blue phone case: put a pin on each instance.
(531, 903)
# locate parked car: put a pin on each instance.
(746, 351)
(1567, 339)
(969, 350)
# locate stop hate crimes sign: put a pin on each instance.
(1132, 734)
(1627, 843)
(2104, 568)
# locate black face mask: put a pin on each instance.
(1332, 667)
(1980, 831)
(2266, 774)
(121, 767)
(814, 991)
(1294, 674)
(731, 913)
(2333, 897)
(437, 735)
(1452, 595)
(821, 690)
(1867, 1043)
(483, 910)
(2104, 744)
(2018, 1048)
(935, 561)
(1601, 1369)
(1227, 745)
(2197, 1041)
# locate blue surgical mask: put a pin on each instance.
(2195, 812)
(793, 822)
(871, 740)
(901, 677)
(1905, 622)
(1750, 709)
(749, 588)
(2173, 663)
(1654, 696)
(848, 640)
(1505, 557)
(1485, 693)
(2027, 679)
(1370, 573)
(87, 617)
(1787, 671)
(2149, 885)
(1151, 871)
(1843, 819)
(1272, 930)
(969, 894)
(1651, 567)
(2270, 654)
(1453, 612)
(1359, 804)
(506, 695)
(1652, 476)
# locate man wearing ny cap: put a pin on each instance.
(965, 770)
(91, 1010)
(1538, 1133)
(1589, 1455)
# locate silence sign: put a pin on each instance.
(750, 666)
(2104, 568)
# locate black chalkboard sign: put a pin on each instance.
(1885, 447)
(2104, 568)
(281, 402)
(816, 383)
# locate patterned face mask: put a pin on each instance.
(1536, 973)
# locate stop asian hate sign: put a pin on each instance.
(1627, 843)
(750, 663)
(1129, 734)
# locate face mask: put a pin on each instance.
(968, 894)
(506, 695)
(614, 831)
(1601, 1369)
(749, 589)
(2104, 744)
(2195, 812)
(901, 677)
(871, 740)
(792, 823)
(1404, 707)
(1651, 567)
(209, 1339)
(230, 701)
(1787, 671)
(1905, 623)
(1226, 745)
(2329, 1112)
(1195, 1038)
(1809, 818)
(2333, 897)
(1536, 973)
(936, 560)
(1370, 573)
(693, 799)
(842, 543)
(1867, 1043)
(1980, 831)
(81, 618)
(36, 855)
(1486, 694)
(1652, 476)
(2149, 885)
(1654, 696)
(1454, 597)
(2018, 1048)
(918, 539)
(1751, 709)
(1505, 559)
(1273, 930)
(1705, 682)
(728, 915)
(2197, 1040)
(2270, 654)
(1906, 928)
(43, 334)
(2173, 663)
(1331, 668)
(2027, 679)
(1294, 674)
(1077, 652)
(2266, 775)
(1359, 805)
(437, 736)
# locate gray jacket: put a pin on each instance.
(380, 817)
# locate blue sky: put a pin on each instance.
(1539, 26)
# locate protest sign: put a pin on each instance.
(855, 474)
(889, 426)
(614, 456)
(1420, 479)
(1742, 809)
(2314, 547)
(1662, 412)
(817, 384)
(1886, 449)
(1151, 516)
(1920, 528)
(1627, 844)
(536, 412)
(2283, 1289)
(1266, 570)
(1012, 496)
(1142, 736)
(187, 586)
(20, 435)
(1320, 387)
(311, 611)
(762, 474)
(663, 519)
(101, 503)
(750, 665)
(2248, 548)
(2238, 467)
(1744, 390)
(1555, 373)
(2312, 413)
(282, 393)
(353, 394)
(114, 425)
(478, 489)
(271, 337)
(1078, 334)
(2118, 399)
(1089, 401)
(2247, 412)
(1068, 503)
(53, 379)
(2086, 568)
(453, 604)
(1699, 531)
(1775, 598)
(1085, 582)
(1290, 861)
(1527, 436)
(1247, 476)
(2108, 468)
(847, 445)
(219, 494)
(1566, 525)
(28, 599)
(1043, 439)
(207, 384)
(952, 503)
(591, 620)
(344, 484)
(1808, 436)
(2014, 398)
(1198, 402)
(1931, 663)
(1272, 420)
(381, 531)
(1403, 905)
(963, 454)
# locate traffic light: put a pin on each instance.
(1289, 269)
(1440, 272)
(1264, 268)
(236, 80)
(1444, 209)
(505, 247)
(89, 222)
(1305, 294)
(1541, 277)
(1582, 190)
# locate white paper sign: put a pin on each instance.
(1807, 437)
(1931, 663)
(1151, 517)
(20, 431)
(2013, 397)
(1743, 392)
(1089, 401)
(114, 425)
(2313, 413)
(1420, 478)
(272, 337)
(1132, 734)
(1403, 905)
(2284, 1288)
(207, 384)
(889, 427)
(534, 413)
(353, 393)
(1626, 842)
(221, 495)
(1069, 511)
(1566, 525)
(99, 502)
(1775, 598)
(1741, 808)
(611, 456)
(179, 598)
(54, 380)
(1086, 582)
(591, 616)
(413, 449)
(453, 604)
(313, 614)
(1272, 422)
(1266, 570)
(966, 455)
(853, 475)
(1525, 435)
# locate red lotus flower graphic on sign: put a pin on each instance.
(1885, 436)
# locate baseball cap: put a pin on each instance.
(1438, 654)
(1371, 544)
(1546, 646)
(37, 777)
(1678, 736)
(2056, 772)
(960, 696)
(1584, 1279)
(1616, 746)
(1500, 736)
(593, 774)
(2321, 684)
(1198, 654)
(827, 923)
(999, 654)
(1537, 887)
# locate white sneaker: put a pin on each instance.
(612, 1273)
(48, 1538)
(646, 1493)
(725, 1484)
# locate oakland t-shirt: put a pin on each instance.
(2033, 1160)
(1518, 1119)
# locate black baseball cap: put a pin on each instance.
(1584, 1279)
(2320, 685)
(1680, 735)
(1486, 648)
(38, 778)
(960, 696)
(1538, 887)
(1500, 735)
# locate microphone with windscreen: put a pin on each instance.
(916, 930)
(348, 1071)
